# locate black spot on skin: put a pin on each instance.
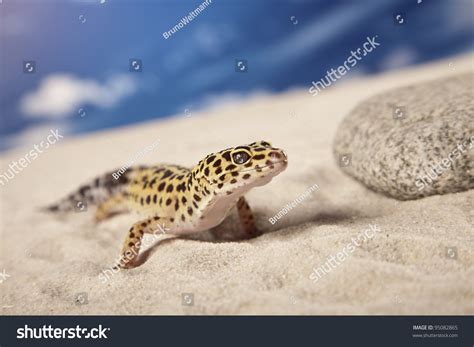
(235, 173)
(264, 143)
(83, 190)
(243, 147)
(259, 156)
(230, 167)
(233, 181)
(210, 159)
(167, 173)
(156, 218)
(229, 192)
(180, 177)
(268, 162)
(168, 202)
(246, 176)
(161, 201)
(148, 199)
(132, 235)
(183, 200)
(176, 205)
(201, 166)
(131, 244)
(155, 197)
(220, 185)
(190, 211)
(195, 204)
(218, 170)
(53, 208)
(171, 220)
(131, 229)
(143, 224)
(161, 186)
(170, 188)
(249, 164)
(260, 149)
(222, 177)
(197, 197)
(217, 163)
(152, 182)
(206, 171)
(123, 179)
(183, 218)
(181, 187)
(141, 201)
(207, 191)
(226, 155)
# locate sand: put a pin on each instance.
(420, 262)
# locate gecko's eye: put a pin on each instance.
(240, 157)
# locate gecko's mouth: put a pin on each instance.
(263, 167)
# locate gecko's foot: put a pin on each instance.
(250, 234)
(125, 265)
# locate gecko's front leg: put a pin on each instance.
(134, 239)
(247, 220)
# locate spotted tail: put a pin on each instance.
(92, 193)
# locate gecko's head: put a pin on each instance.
(238, 169)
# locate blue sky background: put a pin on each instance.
(82, 50)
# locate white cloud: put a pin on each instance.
(14, 25)
(230, 98)
(28, 137)
(90, 1)
(213, 40)
(319, 31)
(400, 57)
(459, 15)
(61, 95)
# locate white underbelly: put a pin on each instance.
(216, 213)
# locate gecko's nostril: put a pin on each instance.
(278, 156)
(274, 156)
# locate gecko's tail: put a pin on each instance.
(92, 193)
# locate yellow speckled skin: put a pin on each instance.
(181, 200)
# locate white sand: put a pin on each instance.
(402, 270)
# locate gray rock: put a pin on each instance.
(413, 141)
